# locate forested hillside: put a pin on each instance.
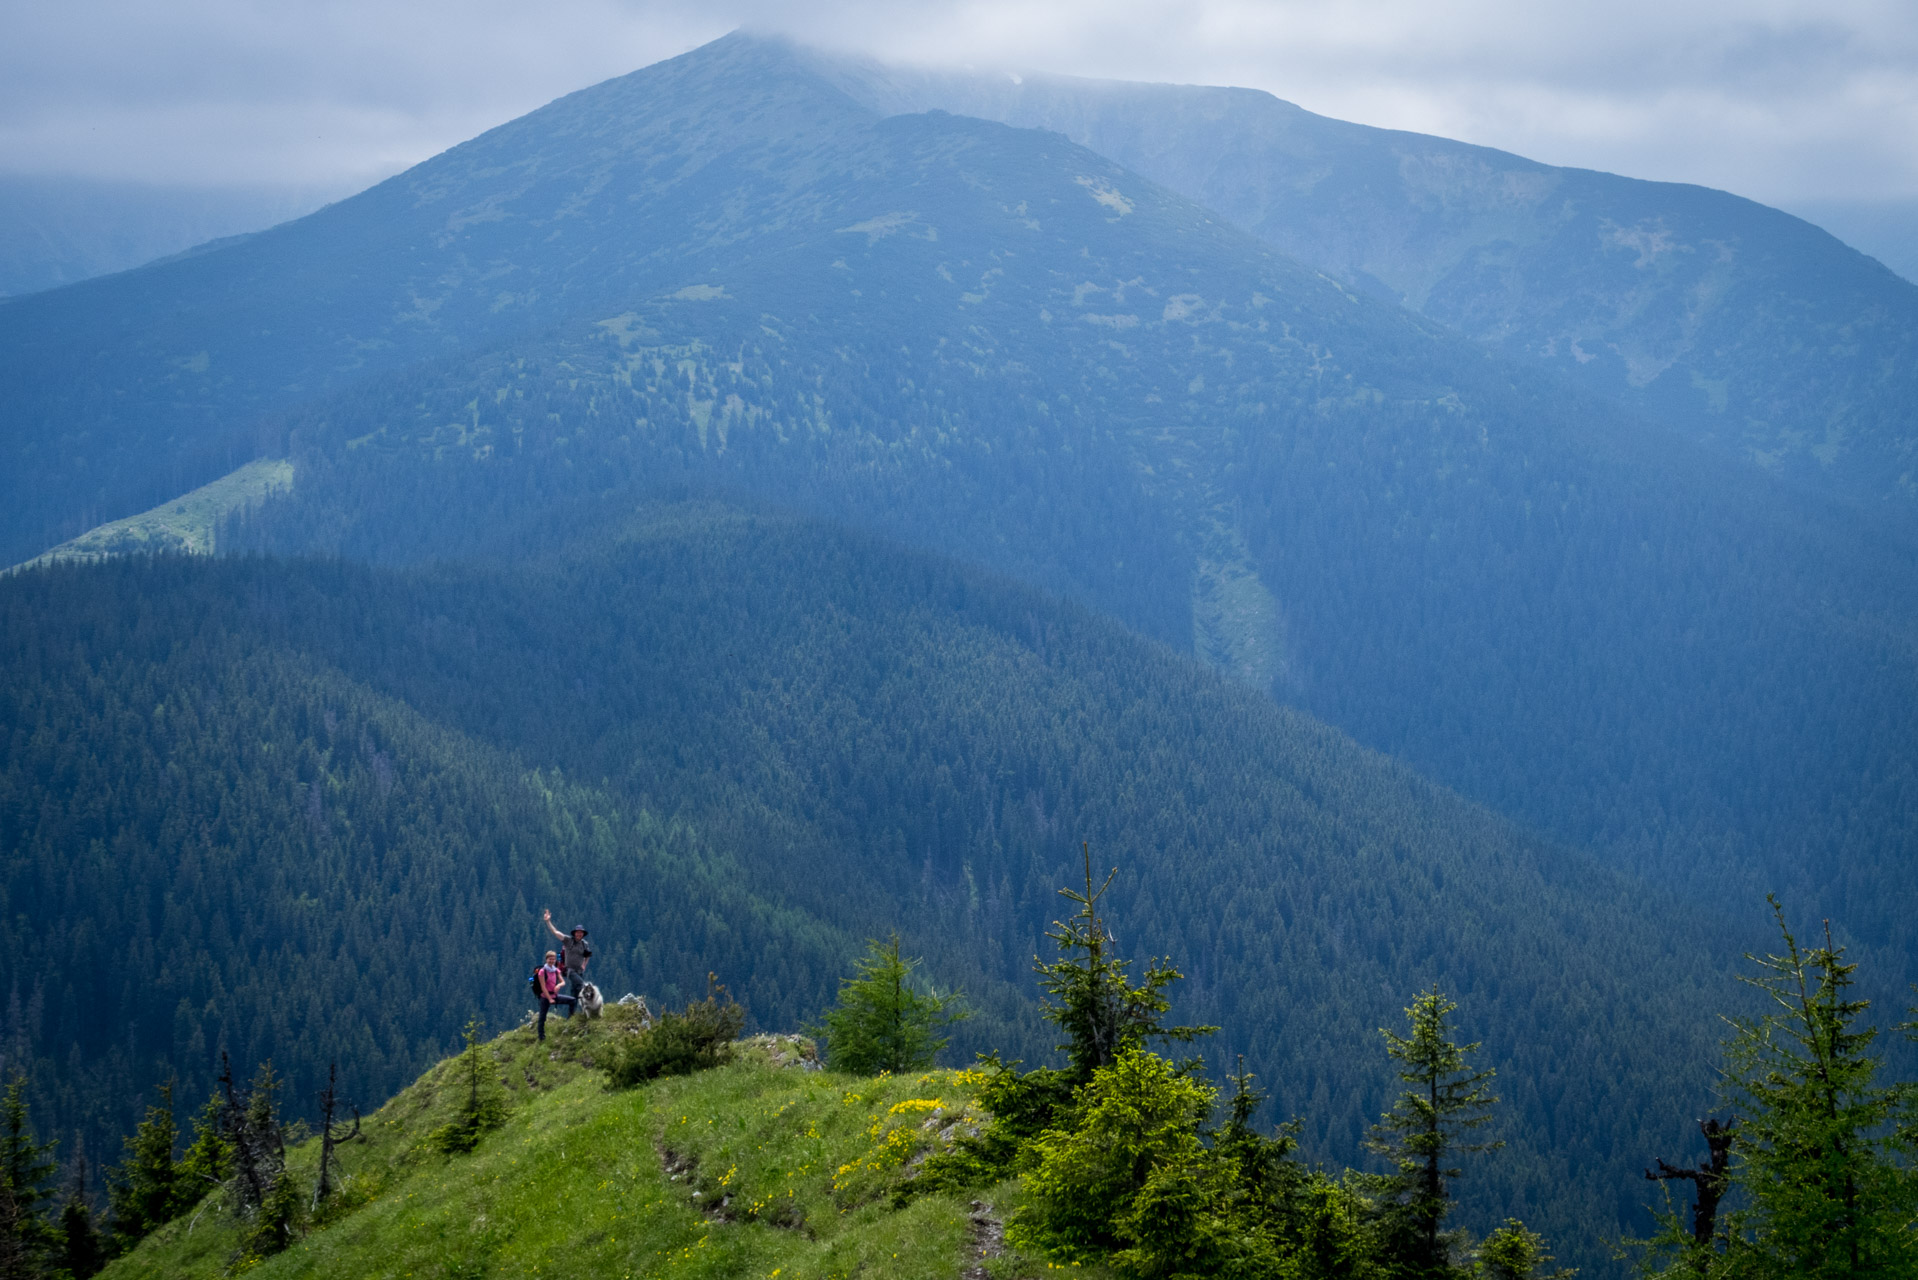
(322, 778)
(1589, 628)
(214, 843)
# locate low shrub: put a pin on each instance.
(697, 1038)
(1021, 1106)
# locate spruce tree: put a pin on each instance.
(280, 1218)
(1424, 1133)
(208, 1160)
(250, 1120)
(1817, 1156)
(21, 1248)
(1089, 996)
(1513, 1253)
(264, 1192)
(145, 1189)
(78, 1249)
(881, 1022)
(1268, 1178)
(26, 1166)
(481, 1105)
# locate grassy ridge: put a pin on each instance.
(760, 1168)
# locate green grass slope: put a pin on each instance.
(188, 523)
(759, 1168)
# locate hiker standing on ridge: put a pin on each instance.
(547, 981)
(573, 954)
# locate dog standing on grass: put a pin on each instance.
(590, 1002)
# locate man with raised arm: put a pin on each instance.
(574, 952)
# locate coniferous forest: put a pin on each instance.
(796, 537)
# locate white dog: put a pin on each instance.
(590, 1002)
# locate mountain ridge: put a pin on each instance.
(1685, 302)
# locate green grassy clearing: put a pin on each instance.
(183, 524)
(762, 1168)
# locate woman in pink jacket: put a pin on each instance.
(549, 986)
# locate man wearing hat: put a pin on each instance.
(574, 952)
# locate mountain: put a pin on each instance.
(1733, 323)
(724, 274)
(133, 388)
(312, 810)
(523, 390)
(58, 230)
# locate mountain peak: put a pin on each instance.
(724, 102)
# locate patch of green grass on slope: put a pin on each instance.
(188, 523)
(763, 1167)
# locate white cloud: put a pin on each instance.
(1778, 99)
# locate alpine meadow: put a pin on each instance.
(1130, 678)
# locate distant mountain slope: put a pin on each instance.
(1884, 229)
(1736, 323)
(723, 273)
(126, 391)
(60, 230)
(1573, 617)
(281, 805)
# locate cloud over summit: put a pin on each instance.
(1783, 100)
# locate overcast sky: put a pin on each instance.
(1784, 100)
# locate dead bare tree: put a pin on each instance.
(331, 1134)
(1709, 1179)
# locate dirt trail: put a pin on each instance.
(985, 1240)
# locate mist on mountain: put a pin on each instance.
(57, 230)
